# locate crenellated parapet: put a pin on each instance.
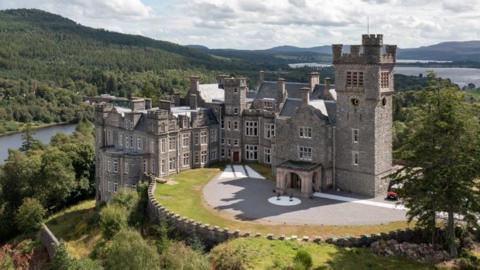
(235, 82)
(370, 52)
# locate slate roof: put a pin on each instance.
(268, 89)
(211, 93)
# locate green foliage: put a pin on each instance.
(160, 232)
(129, 251)
(6, 262)
(63, 261)
(30, 215)
(126, 197)
(441, 159)
(226, 257)
(179, 256)
(113, 218)
(57, 175)
(303, 259)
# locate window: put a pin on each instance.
(222, 141)
(203, 137)
(229, 142)
(172, 143)
(196, 138)
(197, 157)
(229, 124)
(222, 152)
(120, 139)
(152, 167)
(163, 167)
(355, 135)
(204, 157)
(163, 144)
(186, 139)
(268, 105)
(109, 166)
(144, 166)
(304, 153)
(152, 146)
(172, 164)
(251, 152)
(115, 166)
(384, 80)
(354, 79)
(235, 90)
(126, 169)
(186, 159)
(213, 135)
(222, 124)
(213, 155)
(269, 130)
(266, 155)
(305, 132)
(235, 142)
(235, 125)
(355, 158)
(115, 186)
(131, 141)
(235, 110)
(251, 128)
(139, 143)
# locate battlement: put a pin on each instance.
(235, 82)
(370, 52)
(372, 40)
(158, 114)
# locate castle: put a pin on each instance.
(316, 136)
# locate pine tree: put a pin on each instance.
(441, 154)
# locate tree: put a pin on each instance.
(182, 257)
(28, 141)
(441, 156)
(63, 261)
(129, 251)
(30, 215)
(113, 218)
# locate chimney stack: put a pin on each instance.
(261, 78)
(164, 104)
(193, 101)
(314, 79)
(326, 92)
(195, 83)
(281, 86)
(221, 81)
(305, 93)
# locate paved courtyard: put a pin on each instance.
(243, 194)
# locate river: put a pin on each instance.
(14, 141)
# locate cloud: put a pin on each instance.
(253, 24)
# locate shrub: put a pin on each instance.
(30, 215)
(224, 257)
(62, 261)
(129, 251)
(303, 259)
(182, 257)
(128, 198)
(113, 218)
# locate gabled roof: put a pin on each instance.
(268, 89)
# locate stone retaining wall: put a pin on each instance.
(48, 240)
(212, 235)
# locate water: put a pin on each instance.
(14, 141)
(460, 76)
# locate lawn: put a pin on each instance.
(260, 253)
(77, 227)
(185, 198)
(265, 171)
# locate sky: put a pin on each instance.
(261, 24)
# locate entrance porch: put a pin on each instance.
(298, 176)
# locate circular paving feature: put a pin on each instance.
(284, 201)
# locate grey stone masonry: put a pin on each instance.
(316, 136)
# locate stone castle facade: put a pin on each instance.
(316, 136)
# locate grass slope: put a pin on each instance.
(185, 198)
(261, 253)
(75, 226)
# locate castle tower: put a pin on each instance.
(363, 137)
(235, 104)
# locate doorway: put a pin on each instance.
(295, 181)
(236, 156)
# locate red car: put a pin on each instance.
(392, 194)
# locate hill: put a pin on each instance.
(48, 63)
(445, 51)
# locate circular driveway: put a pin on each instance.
(247, 199)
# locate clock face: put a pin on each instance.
(355, 101)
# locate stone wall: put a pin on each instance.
(212, 235)
(48, 240)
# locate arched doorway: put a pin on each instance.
(295, 181)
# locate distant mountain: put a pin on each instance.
(445, 51)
